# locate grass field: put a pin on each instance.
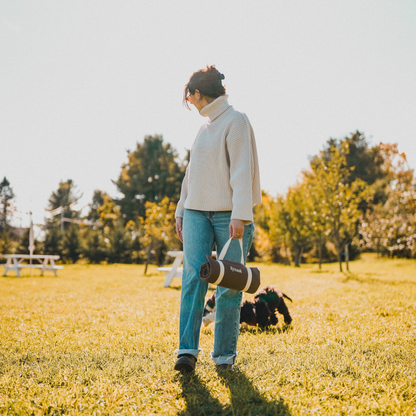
(101, 340)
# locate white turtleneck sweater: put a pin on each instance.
(223, 173)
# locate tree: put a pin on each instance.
(280, 224)
(107, 213)
(23, 247)
(136, 232)
(65, 196)
(392, 225)
(53, 241)
(314, 196)
(95, 249)
(5, 242)
(159, 228)
(56, 240)
(96, 204)
(119, 244)
(290, 220)
(299, 213)
(151, 173)
(362, 161)
(6, 207)
(266, 244)
(116, 242)
(262, 211)
(341, 199)
(72, 244)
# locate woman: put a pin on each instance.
(220, 187)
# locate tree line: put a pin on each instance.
(353, 197)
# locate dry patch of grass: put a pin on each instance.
(101, 340)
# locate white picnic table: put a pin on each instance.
(16, 262)
(174, 270)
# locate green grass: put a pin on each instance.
(101, 340)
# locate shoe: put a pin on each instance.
(185, 363)
(222, 368)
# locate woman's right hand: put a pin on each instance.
(179, 221)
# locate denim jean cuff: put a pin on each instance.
(190, 352)
(224, 359)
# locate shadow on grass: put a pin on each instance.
(28, 276)
(198, 398)
(210, 289)
(270, 330)
(174, 287)
(369, 280)
(244, 397)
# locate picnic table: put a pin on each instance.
(16, 262)
(174, 270)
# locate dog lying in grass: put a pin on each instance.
(261, 311)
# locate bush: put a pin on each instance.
(71, 244)
(95, 249)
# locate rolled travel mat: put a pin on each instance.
(230, 274)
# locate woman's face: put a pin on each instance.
(195, 99)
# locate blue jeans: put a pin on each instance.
(201, 229)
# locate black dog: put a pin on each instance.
(260, 311)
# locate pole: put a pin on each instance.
(347, 257)
(31, 242)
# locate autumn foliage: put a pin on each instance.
(353, 197)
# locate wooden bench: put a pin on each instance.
(16, 262)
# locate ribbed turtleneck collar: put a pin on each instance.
(216, 108)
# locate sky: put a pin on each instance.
(81, 82)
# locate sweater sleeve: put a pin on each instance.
(180, 208)
(240, 156)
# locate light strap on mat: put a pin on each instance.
(222, 271)
(225, 249)
(249, 279)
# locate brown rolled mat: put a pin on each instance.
(235, 276)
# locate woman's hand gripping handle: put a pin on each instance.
(236, 229)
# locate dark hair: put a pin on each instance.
(207, 81)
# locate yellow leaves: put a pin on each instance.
(131, 225)
(262, 243)
(109, 212)
(160, 221)
(125, 175)
(108, 216)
